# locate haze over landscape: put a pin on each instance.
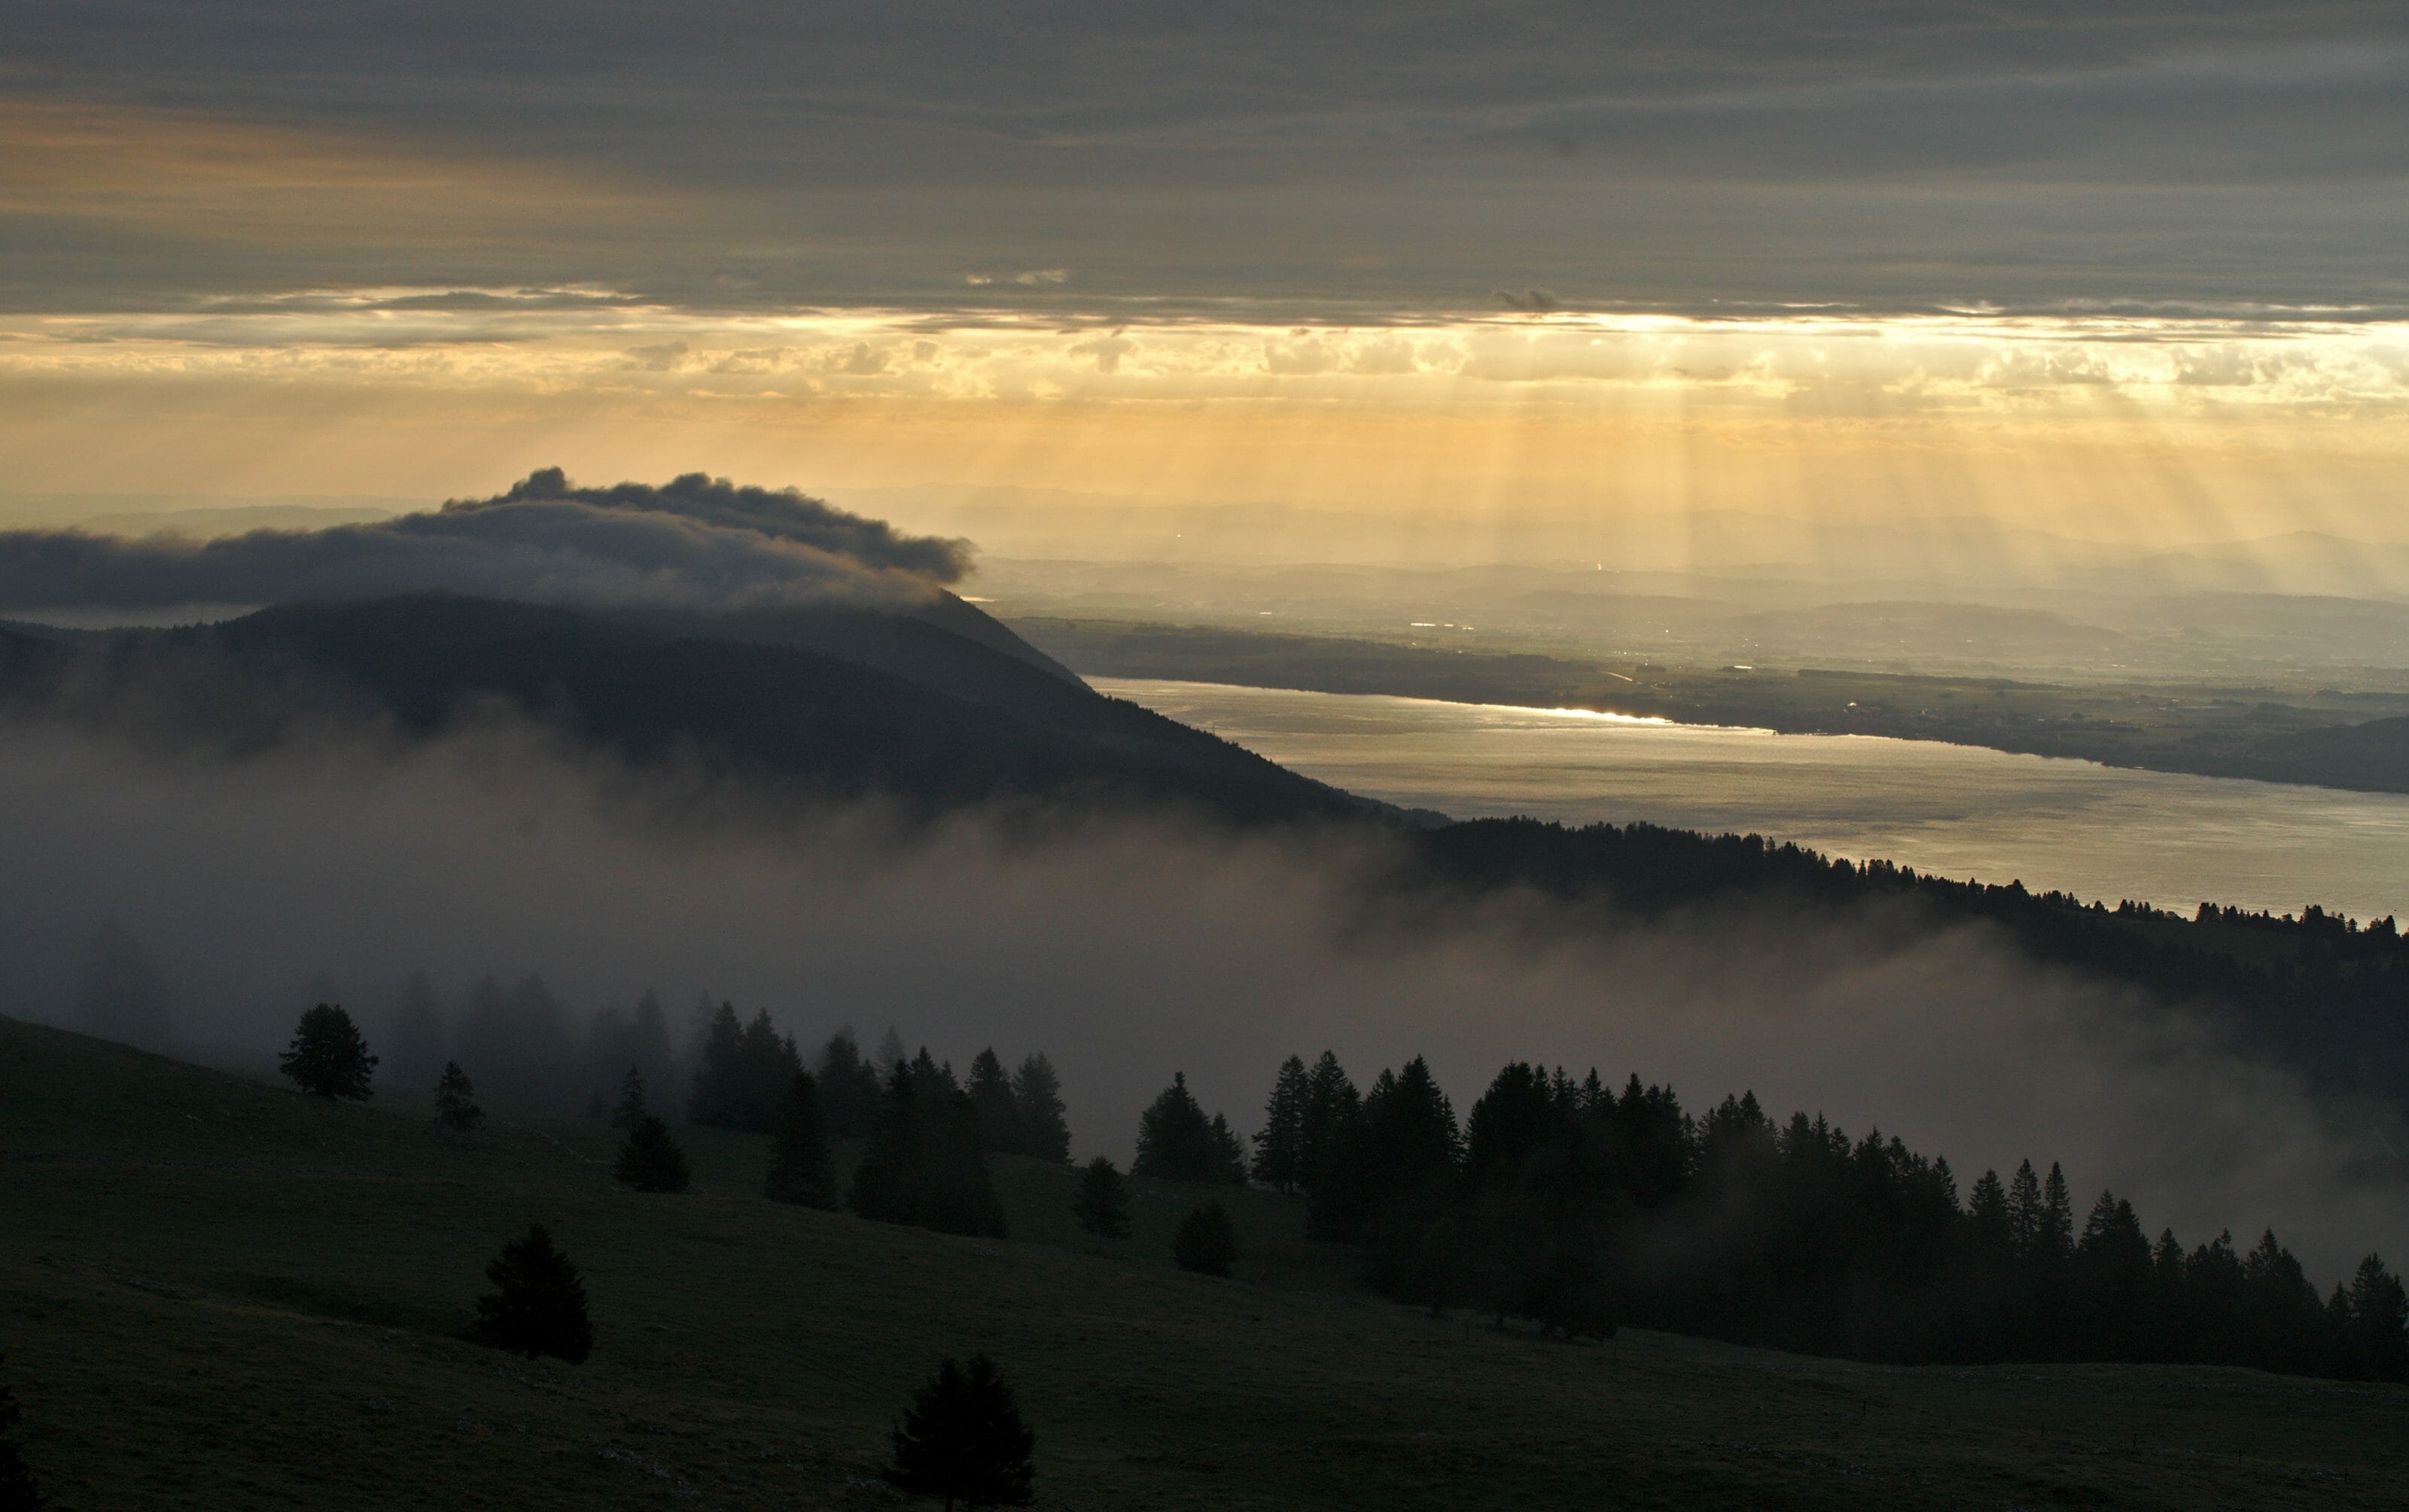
(1536, 729)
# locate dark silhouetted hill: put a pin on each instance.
(845, 704)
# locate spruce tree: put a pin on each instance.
(455, 1099)
(2024, 1215)
(2056, 1217)
(800, 1171)
(925, 1163)
(964, 1440)
(327, 1057)
(650, 1160)
(1176, 1141)
(632, 1109)
(768, 1061)
(848, 1087)
(2379, 1322)
(1207, 1243)
(537, 1304)
(1103, 1205)
(717, 1097)
(1280, 1153)
(19, 1491)
(1037, 1103)
(999, 1111)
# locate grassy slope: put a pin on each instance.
(215, 1293)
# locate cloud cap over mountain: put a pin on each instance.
(696, 541)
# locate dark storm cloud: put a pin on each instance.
(694, 541)
(1416, 156)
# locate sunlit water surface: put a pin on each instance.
(1958, 811)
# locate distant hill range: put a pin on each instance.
(941, 707)
(931, 708)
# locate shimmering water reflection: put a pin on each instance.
(1959, 811)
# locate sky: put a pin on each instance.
(2125, 273)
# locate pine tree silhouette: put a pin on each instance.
(999, 1111)
(455, 1099)
(1037, 1104)
(963, 1439)
(538, 1305)
(1206, 1242)
(1279, 1144)
(1103, 1205)
(632, 1109)
(1176, 1141)
(799, 1170)
(650, 1160)
(327, 1057)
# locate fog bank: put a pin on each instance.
(1124, 948)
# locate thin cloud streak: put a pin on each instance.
(696, 541)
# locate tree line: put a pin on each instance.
(1560, 1201)
(2323, 994)
(1580, 1207)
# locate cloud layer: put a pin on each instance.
(696, 541)
(1892, 153)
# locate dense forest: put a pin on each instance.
(2324, 995)
(1569, 1203)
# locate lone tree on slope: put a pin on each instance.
(537, 1306)
(651, 1161)
(327, 1057)
(1206, 1242)
(964, 1440)
(455, 1099)
(1103, 1205)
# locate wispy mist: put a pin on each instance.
(1125, 949)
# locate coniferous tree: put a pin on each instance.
(1279, 1144)
(925, 1163)
(799, 1170)
(1103, 1205)
(963, 1439)
(2056, 1217)
(2026, 1219)
(1409, 1135)
(650, 1160)
(18, 1491)
(1037, 1103)
(455, 1099)
(327, 1057)
(2375, 1338)
(537, 1304)
(1206, 1242)
(717, 1097)
(769, 1061)
(632, 1109)
(849, 1087)
(890, 1052)
(999, 1111)
(1176, 1141)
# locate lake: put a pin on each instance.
(1958, 811)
